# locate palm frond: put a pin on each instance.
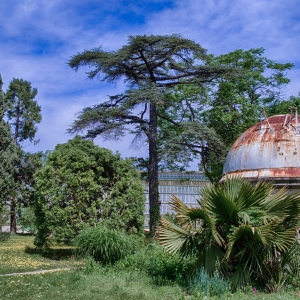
(281, 203)
(246, 231)
(248, 234)
(283, 239)
(206, 222)
(175, 239)
(218, 202)
(180, 208)
(241, 277)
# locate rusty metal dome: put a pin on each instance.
(268, 150)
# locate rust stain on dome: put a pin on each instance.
(268, 150)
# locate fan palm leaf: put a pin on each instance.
(247, 231)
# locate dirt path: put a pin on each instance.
(36, 272)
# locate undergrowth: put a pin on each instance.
(148, 273)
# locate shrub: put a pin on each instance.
(171, 267)
(232, 217)
(82, 185)
(155, 261)
(105, 245)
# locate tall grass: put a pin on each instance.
(102, 284)
(106, 245)
(160, 265)
(106, 283)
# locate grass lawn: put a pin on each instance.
(86, 281)
(70, 285)
(105, 285)
(18, 254)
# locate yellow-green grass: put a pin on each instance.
(18, 254)
(67, 285)
(110, 285)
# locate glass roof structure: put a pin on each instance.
(185, 185)
(181, 176)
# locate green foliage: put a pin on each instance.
(104, 244)
(8, 155)
(235, 223)
(151, 66)
(156, 262)
(81, 184)
(94, 281)
(284, 106)
(25, 167)
(203, 285)
(22, 192)
(237, 102)
(202, 121)
(183, 135)
(170, 267)
(27, 220)
(4, 215)
(22, 111)
(88, 267)
(102, 284)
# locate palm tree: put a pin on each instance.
(243, 231)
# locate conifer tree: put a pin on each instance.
(150, 65)
(7, 156)
(23, 113)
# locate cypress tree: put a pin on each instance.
(7, 155)
(23, 114)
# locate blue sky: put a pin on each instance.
(38, 37)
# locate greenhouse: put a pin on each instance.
(185, 185)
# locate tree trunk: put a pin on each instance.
(13, 217)
(154, 203)
(13, 206)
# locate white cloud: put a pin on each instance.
(38, 37)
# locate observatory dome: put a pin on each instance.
(268, 150)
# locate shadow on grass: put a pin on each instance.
(50, 253)
(25, 234)
(4, 236)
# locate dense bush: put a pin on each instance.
(81, 185)
(155, 261)
(167, 266)
(106, 245)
